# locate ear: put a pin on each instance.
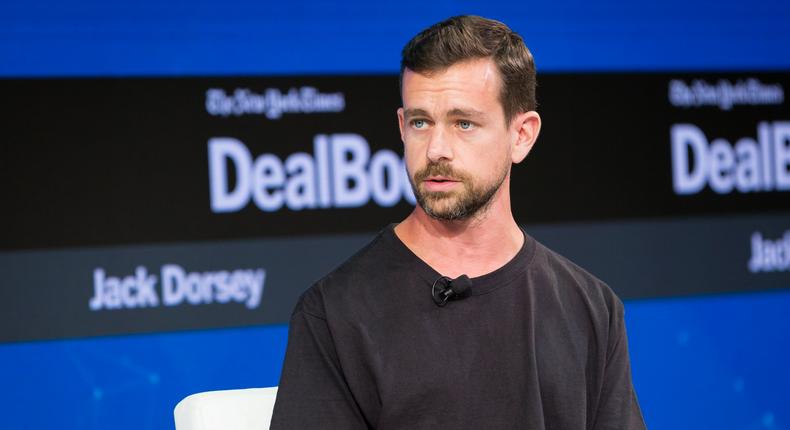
(526, 127)
(400, 123)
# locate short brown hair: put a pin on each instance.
(470, 37)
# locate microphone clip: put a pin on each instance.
(445, 289)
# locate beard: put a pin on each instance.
(455, 205)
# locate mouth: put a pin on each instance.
(440, 179)
(440, 183)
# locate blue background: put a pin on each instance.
(233, 37)
(716, 362)
(698, 363)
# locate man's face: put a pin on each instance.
(457, 147)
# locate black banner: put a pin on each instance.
(121, 161)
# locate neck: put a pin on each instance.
(474, 246)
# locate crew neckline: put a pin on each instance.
(482, 284)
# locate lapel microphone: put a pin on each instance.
(445, 289)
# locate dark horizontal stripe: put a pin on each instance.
(48, 294)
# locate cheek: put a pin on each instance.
(412, 137)
(409, 148)
(487, 145)
(412, 159)
(489, 158)
(414, 146)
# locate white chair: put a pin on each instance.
(249, 409)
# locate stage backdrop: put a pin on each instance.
(174, 177)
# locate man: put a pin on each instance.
(398, 338)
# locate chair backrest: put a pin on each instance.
(226, 410)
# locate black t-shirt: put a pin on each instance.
(539, 344)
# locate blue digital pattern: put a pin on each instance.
(130, 382)
(716, 362)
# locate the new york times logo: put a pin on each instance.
(139, 290)
(724, 94)
(272, 102)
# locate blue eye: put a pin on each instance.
(464, 125)
(418, 123)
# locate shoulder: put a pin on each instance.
(571, 283)
(347, 283)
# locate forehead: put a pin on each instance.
(472, 84)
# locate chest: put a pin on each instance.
(492, 353)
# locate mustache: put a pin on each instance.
(438, 169)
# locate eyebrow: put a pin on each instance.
(408, 113)
(466, 113)
(453, 113)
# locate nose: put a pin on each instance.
(439, 147)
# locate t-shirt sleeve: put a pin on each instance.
(618, 407)
(313, 393)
